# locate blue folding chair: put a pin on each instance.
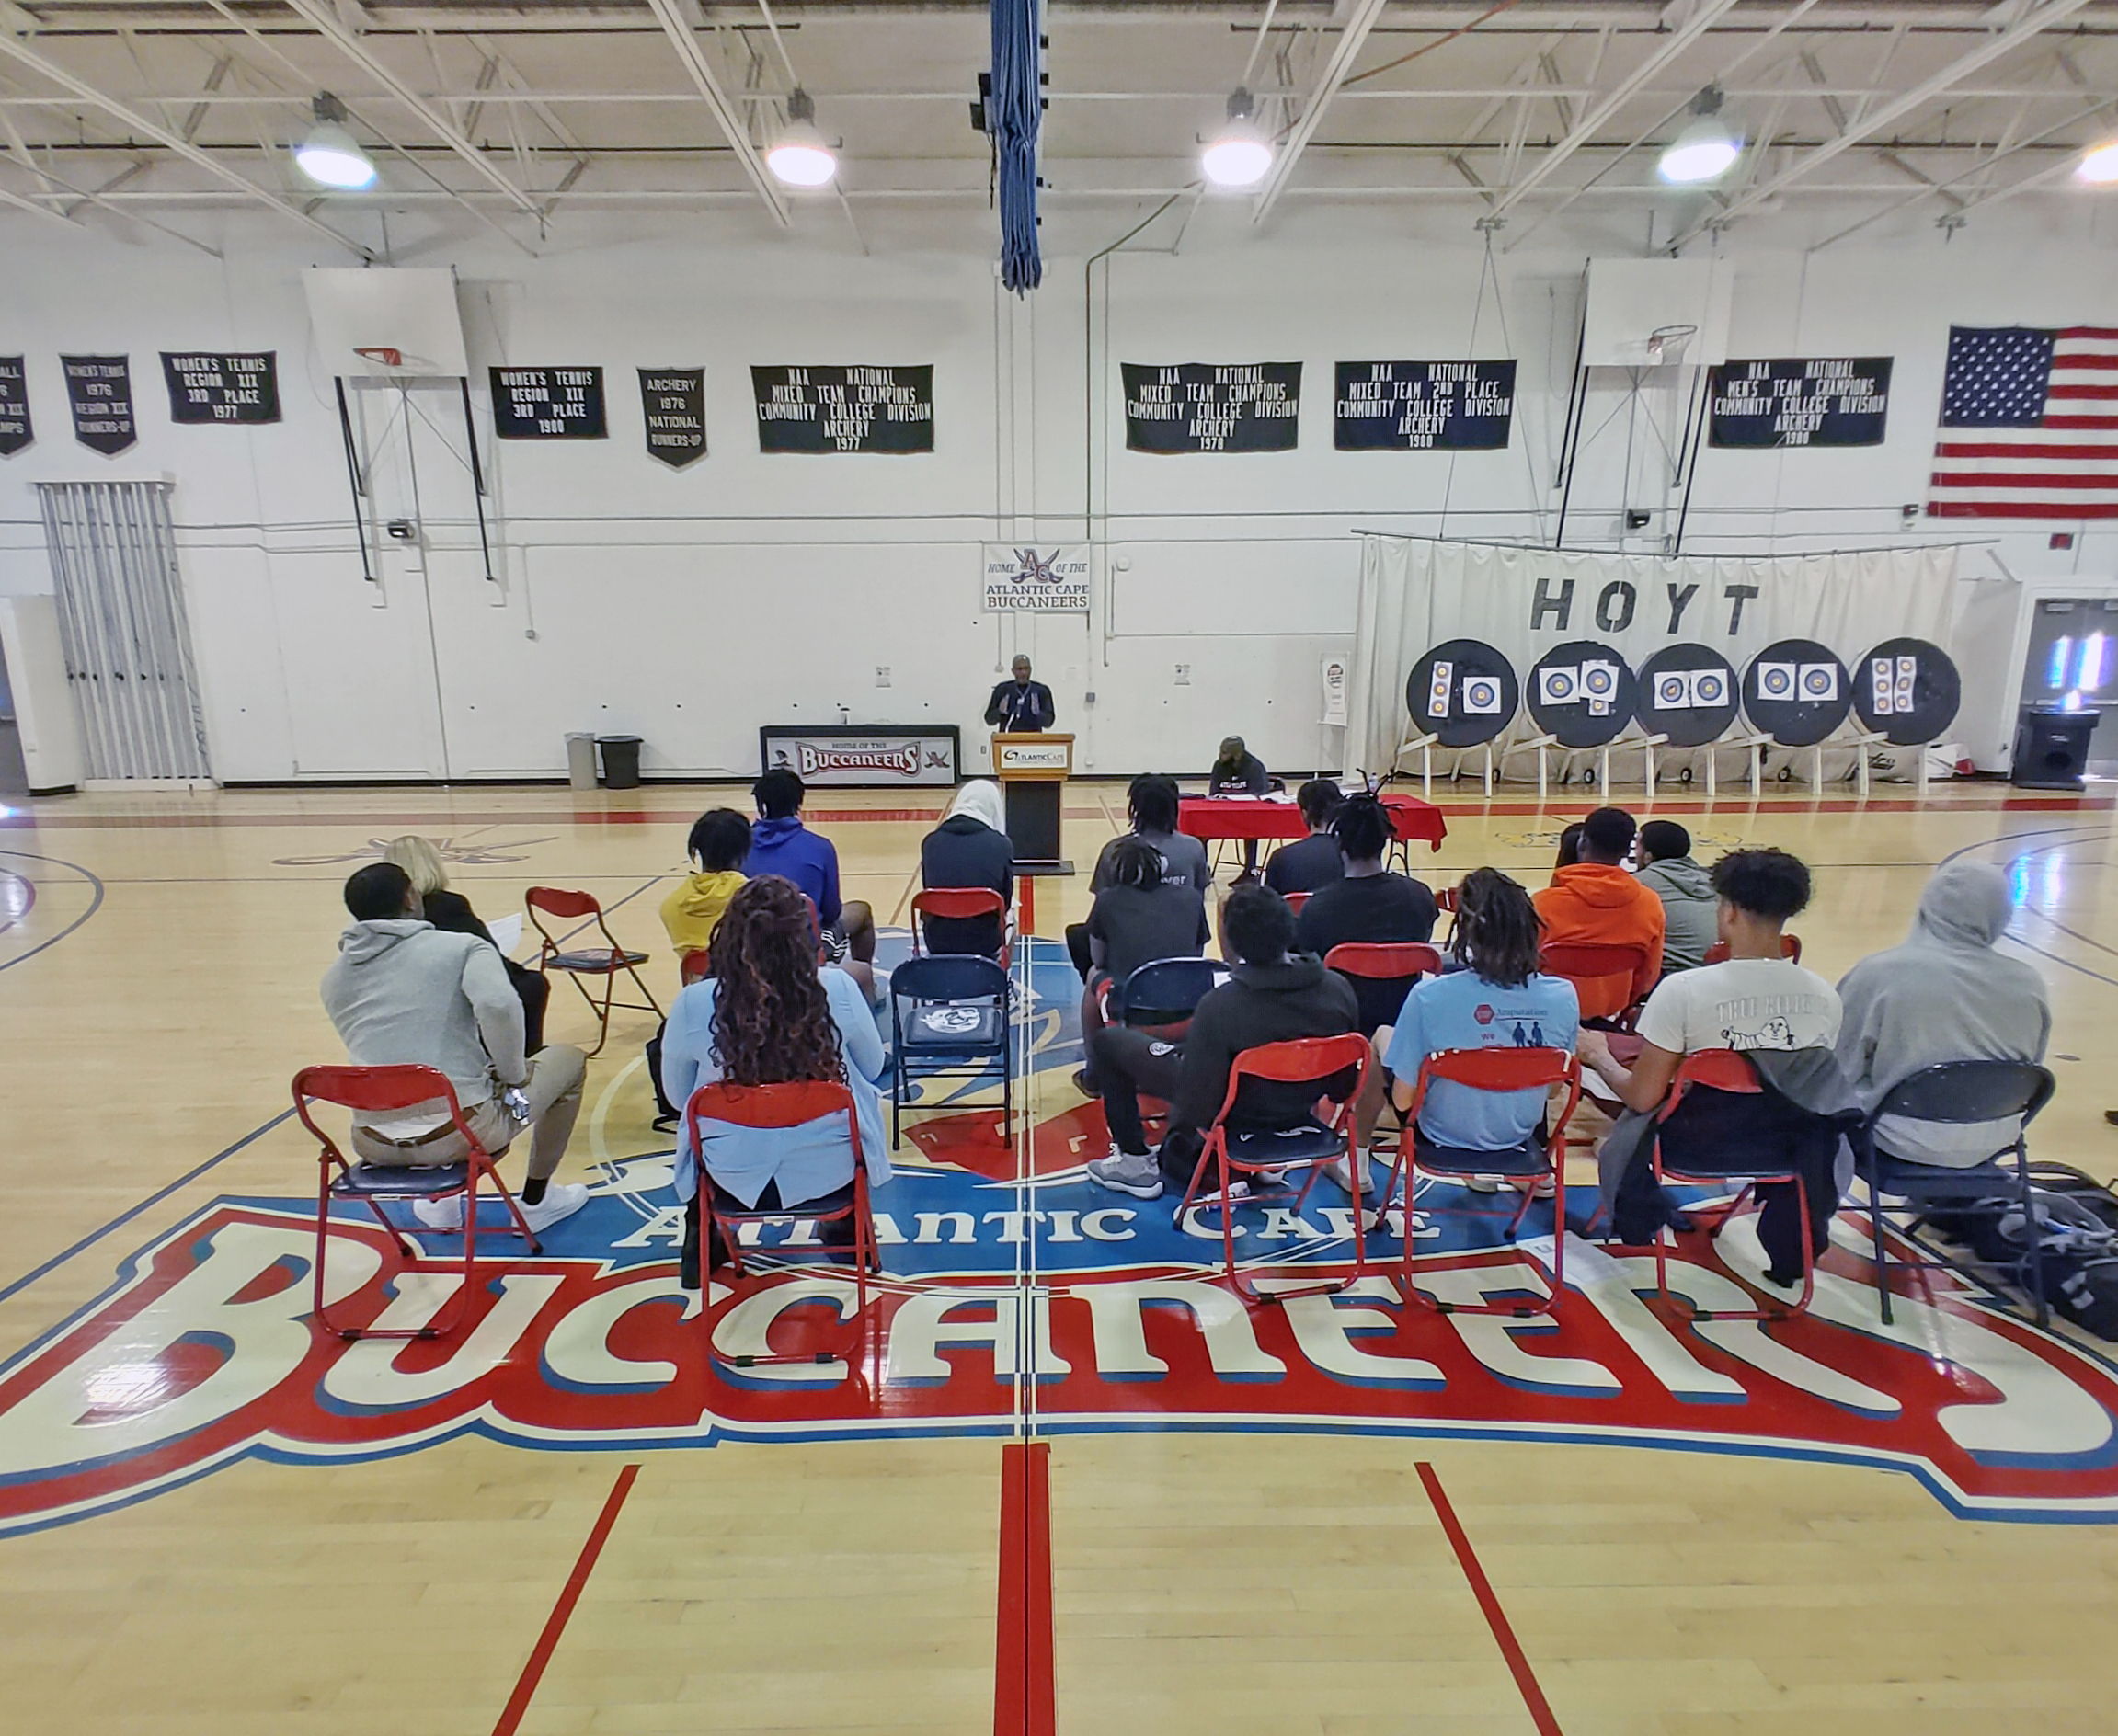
(1162, 995)
(951, 1017)
(1954, 1093)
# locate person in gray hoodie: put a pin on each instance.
(1945, 995)
(401, 990)
(1688, 900)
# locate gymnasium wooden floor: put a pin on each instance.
(209, 1525)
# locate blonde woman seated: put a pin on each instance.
(451, 913)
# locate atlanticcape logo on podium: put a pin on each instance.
(1020, 580)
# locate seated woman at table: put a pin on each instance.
(1238, 771)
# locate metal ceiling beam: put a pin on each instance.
(1363, 19)
(1702, 19)
(16, 49)
(2026, 26)
(323, 21)
(676, 25)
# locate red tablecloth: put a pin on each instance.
(1251, 816)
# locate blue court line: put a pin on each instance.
(154, 1199)
(94, 903)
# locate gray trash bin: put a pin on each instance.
(620, 761)
(581, 760)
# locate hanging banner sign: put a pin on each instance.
(13, 406)
(1204, 407)
(844, 409)
(238, 389)
(1410, 406)
(99, 388)
(1025, 581)
(1796, 403)
(673, 401)
(548, 404)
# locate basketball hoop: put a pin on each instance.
(1665, 344)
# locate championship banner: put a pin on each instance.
(548, 404)
(1792, 403)
(1203, 406)
(673, 403)
(1028, 581)
(99, 390)
(844, 409)
(1406, 406)
(15, 432)
(241, 390)
(862, 756)
(1528, 606)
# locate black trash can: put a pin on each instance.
(2051, 749)
(620, 761)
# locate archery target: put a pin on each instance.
(1688, 693)
(1438, 683)
(1582, 693)
(1712, 687)
(1797, 692)
(1673, 691)
(1923, 688)
(1464, 692)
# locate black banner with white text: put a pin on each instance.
(1204, 406)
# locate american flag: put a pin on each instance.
(2038, 412)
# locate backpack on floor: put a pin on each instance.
(2076, 1243)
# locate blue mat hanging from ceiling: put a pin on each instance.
(1013, 119)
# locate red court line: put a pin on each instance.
(569, 1594)
(1496, 1617)
(1023, 1700)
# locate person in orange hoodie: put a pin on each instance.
(1595, 901)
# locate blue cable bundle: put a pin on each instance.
(1014, 117)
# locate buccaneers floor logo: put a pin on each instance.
(1107, 1310)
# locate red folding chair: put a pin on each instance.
(1725, 1070)
(1496, 1069)
(695, 967)
(1583, 963)
(959, 904)
(780, 1106)
(1318, 1061)
(1790, 949)
(1295, 900)
(1382, 974)
(605, 961)
(375, 1090)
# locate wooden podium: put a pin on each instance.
(1033, 768)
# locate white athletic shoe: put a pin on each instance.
(443, 1214)
(558, 1202)
(1127, 1172)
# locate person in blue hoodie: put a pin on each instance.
(782, 845)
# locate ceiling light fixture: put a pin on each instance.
(2099, 167)
(330, 155)
(800, 156)
(1705, 149)
(1242, 154)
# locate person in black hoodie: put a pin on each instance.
(451, 913)
(970, 850)
(1272, 996)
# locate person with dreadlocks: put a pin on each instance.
(1497, 1000)
(767, 1015)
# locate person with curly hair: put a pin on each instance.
(767, 1015)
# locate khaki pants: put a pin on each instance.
(554, 1089)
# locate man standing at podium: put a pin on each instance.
(1021, 704)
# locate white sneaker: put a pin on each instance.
(1340, 1169)
(1482, 1183)
(445, 1214)
(1127, 1172)
(558, 1202)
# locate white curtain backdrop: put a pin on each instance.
(1523, 602)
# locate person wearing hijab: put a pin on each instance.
(970, 848)
(1945, 995)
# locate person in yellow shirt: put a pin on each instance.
(720, 839)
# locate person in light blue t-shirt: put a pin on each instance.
(767, 1015)
(1496, 1000)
